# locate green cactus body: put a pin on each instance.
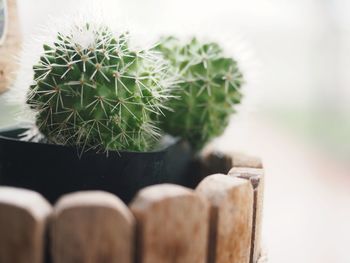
(91, 90)
(208, 89)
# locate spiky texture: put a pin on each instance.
(93, 91)
(209, 87)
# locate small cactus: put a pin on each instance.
(91, 90)
(209, 85)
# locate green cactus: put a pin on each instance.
(91, 90)
(209, 86)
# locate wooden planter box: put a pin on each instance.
(218, 221)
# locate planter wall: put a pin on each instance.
(55, 170)
(217, 221)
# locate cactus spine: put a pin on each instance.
(209, 88)
(91, 90)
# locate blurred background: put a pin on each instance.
(296, 115)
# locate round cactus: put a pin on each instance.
(209, 86)
(91, 90)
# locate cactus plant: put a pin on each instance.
(209, 86)
(92, 90)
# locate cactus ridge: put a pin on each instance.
(92, 90)
(209, 87)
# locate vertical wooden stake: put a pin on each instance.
(10, 46)
(231, 202)
(172, 223)
(23, 217)
(92, 227)
(246, 161)
(256, 178)
(213, 161)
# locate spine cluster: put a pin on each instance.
(91, 90)
(209, 87)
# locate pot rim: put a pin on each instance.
(162, 149)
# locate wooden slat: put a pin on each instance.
(256, 178)
(231, 201)
(92, 227)
(247, 161)
(10, 48)
(172, 225)
(214, 161)
(23, 217)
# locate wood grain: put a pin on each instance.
(231, 201)
(213, 161)
(245, 160)
(256, 178)
(10, 48)
(172, 225)
(23, 218)
(92, 227)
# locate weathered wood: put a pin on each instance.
(10, 47)
(231, 201)
(23, 217)
(256, 177)
(247, 161)
(92, 227)
(172, 225)
(213, 161)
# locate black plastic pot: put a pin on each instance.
(54, 170)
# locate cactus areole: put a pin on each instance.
(209, 87)
(92, 90)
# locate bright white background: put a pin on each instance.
(303, 44)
